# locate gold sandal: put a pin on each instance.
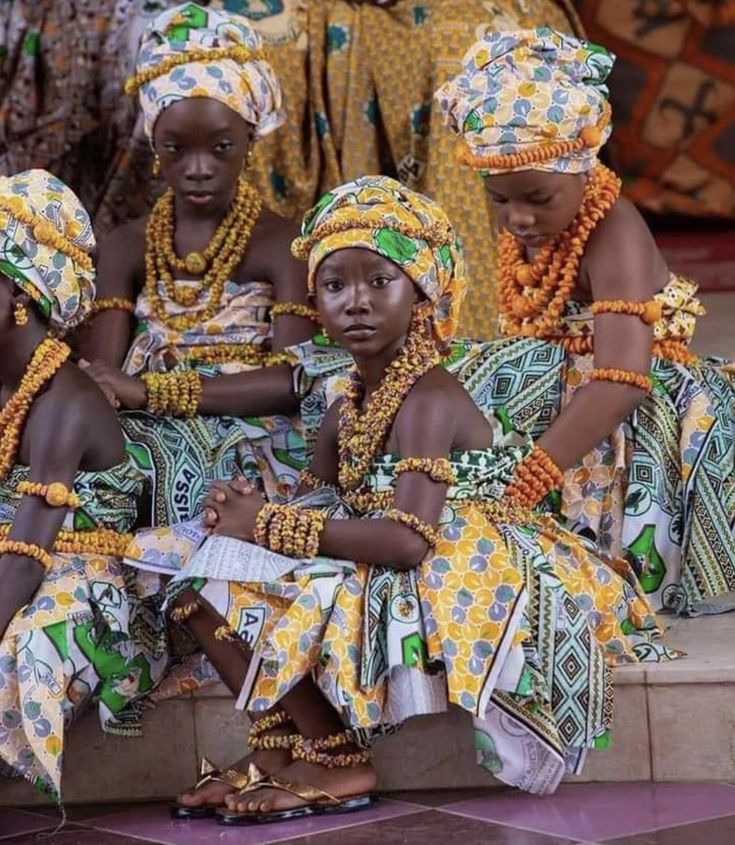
(322, 751)
(209, 773)
(257, 739)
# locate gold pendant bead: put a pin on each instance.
(195, 263)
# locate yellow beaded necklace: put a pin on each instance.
(217, 262)
(362, 434)
(533, 295)
(47, 359)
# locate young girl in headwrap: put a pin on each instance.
(594, 362)
(411, 575)
(198, 300)
(71, 627)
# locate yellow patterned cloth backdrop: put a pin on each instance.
(673, 98)
(516, 623)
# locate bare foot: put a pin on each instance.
(213, 793)
(341, 783)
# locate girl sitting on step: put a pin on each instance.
(73, 628)
(199, 299)
(413, 574)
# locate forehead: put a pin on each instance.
(198, 116)
(529, 181)
(356, 257)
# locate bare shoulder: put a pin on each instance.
(622, 244)
(269, 256)
(121, 259)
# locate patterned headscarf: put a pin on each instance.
(412, 231)
(45, 243)
(531, 99)
(190, 51)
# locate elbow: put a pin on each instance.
(409, 551)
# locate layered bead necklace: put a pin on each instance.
(362, 434)
(533, 294)
(215, 264)
(45, 362)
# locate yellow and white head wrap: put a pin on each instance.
(409, 229)
(46, 241)
(531, 99)
(191, 51)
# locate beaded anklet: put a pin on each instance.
(322, 751)
(649, 311)
(296, 309)
(173, 394)
(534, 477)
(56, 494)
(18, 547)
(639, 380)
(112, 303)
(438, 469)
(410, 520)
(257, 740)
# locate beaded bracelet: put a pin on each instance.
(99, 541)
(184, 611)
(438, 469)
(56, 494)
(173, 394)
(275, 359)
(410, 520)
(289, 530)
(639, 380)
(534, 477)
(112, 303)
(297, 309)
(18, 547)
(649, 311)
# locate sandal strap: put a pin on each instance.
(304, 791)
(231, 777)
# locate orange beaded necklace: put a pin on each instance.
(533, 295)
(47, 359)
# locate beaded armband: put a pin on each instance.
(56, 494)
(639, 380)
(438, 469)
(112, 303)
(313, 482)
(296, 309)
(18, 547)
(410, 520)
(173, 394)
(534, 477)
(649, 311)
(289, 530)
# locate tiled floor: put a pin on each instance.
(578, 814)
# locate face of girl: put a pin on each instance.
(202, 145)
(365, 301)
(533, 205)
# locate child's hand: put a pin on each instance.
(231, 509)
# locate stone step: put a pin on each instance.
(673, 722)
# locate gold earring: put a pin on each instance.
(20, 314)
(156, 166)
